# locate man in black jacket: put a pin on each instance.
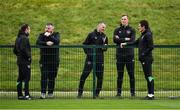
(97, 37)
(124, 56)
(22, 50)
(49, 59)
(145, 47)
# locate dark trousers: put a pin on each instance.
(48, 75)
(86, 71)
(127, 61)
(23, 76)
(147, 69)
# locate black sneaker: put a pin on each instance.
(133, 95)
(149, 98)
(79, 96)
(21, 98)
(118, 95)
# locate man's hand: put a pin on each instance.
(116, 36)
(123, 44)
(47, 34)
(127, 39)
(49, 43)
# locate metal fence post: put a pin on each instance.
(94, 71)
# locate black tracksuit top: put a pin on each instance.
(50, 54)
(124, 32)
(22, 49)
(95, 38)
(145, 45)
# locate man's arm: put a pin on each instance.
(40, 40)
(105, 40)
(150, 44)
(25, 48)
(122, 45)
(117, 39)
(56, 38)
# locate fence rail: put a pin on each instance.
(166, 68)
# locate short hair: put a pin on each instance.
(50, 24)
(24, 27)
(100, 22)
(124, 15)
(144, 23)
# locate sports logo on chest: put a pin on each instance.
(95, 38)
(128, 32)
(120, 32)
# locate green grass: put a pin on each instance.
(90, 104)
(74, 19)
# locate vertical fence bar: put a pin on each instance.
(94, 71)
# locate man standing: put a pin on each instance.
(97, 37)
(124, 56)
(145, 47)
(49, 59)
(22, 50)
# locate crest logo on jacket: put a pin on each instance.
(128, 32)
(119, 32)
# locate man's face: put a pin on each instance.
(141, 28)
(49, 28)
(28, 30)
(101, 27)
(124, 20)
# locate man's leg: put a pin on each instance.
(19, 82)
(99, 74)
(44, 77)
(147, 68)
(86, 71)
(130, 69)
(27, 76)
(120, 70)
(52, 76)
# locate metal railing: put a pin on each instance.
(166, 68)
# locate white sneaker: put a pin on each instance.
(27, 97)
(50, 95)
(43, 96)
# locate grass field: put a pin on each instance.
(90, 104)
(9, 101)
(74, 19)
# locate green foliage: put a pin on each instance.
(76, 18)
